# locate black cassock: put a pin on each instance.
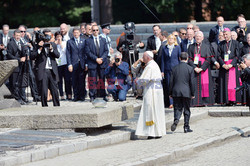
(228, 53)
(204, 92)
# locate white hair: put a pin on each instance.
(199, 32)
(246, 56)
(118, 54)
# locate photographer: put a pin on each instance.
(129, 44)
(245, 76)
(137, 69)
(241, 29)
(45, 57)
(117, 73)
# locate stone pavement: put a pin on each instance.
(93, 149)
(207, 132)
(230, 154)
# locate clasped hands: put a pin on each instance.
(227, 67)
(197, 69)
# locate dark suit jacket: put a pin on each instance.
(245, 50)
(184, 44)
(92, 55)
(13, 52)
(151, 43)
(213, 34)
(168, 62)
(182, 81)
(75, 54)
(41, 60)
(163, 44)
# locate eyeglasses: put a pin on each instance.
(22, 31)
(189, 28)
(183, 33)
(95, 30)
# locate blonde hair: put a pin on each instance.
(175, 40)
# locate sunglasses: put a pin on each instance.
(22, 31)
(95, 30)
(189, 28)
(183, 33)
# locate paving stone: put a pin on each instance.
(37, 155)
(10, 145)
(30, 139)
(45, 133)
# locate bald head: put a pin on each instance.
(190, 34)
(220, 21)
(63, 28)
(234, 35)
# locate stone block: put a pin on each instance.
(67, 117)
(246, 112)
(226, 113)
(51, 152)
(23, 158)
(66, 149)
(80, 146)
(37, 155)
(8, 103)
(9, 161)
(6, 69)
(94, 143)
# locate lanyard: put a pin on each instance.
(197, 49)
(228, 48)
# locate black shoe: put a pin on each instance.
(105, 99)
(82, 99)
(91, 99)
(75, 99)
(174, 125)
(22, 102)
(158, 137)
(187, 130)
(150, 137)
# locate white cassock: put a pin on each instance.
(151, 121)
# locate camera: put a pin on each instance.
(42, 37)
(117, 60)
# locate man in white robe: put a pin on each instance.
(151, 121)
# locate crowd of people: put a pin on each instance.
(83, 60)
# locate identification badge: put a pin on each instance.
(196, 60)
(116, 81)
(226, 57)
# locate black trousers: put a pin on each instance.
(180, 104)
(96, 80)
(49, 82)
(64, 73)
(17, 91)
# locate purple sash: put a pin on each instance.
(204, 78)
(231, 82)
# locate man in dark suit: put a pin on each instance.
(76, 59)
(47, 69)
(164, 40)
(154, 42)
(4, 40)
(97, 56)
(214, 32)
(14, 51)
(182, 90)
(187, 42)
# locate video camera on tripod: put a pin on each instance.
(129, 45)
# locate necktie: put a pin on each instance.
(97, 47)
(19, 45)
(77, 43)
(189, 42)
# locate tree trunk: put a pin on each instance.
(106, 15)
